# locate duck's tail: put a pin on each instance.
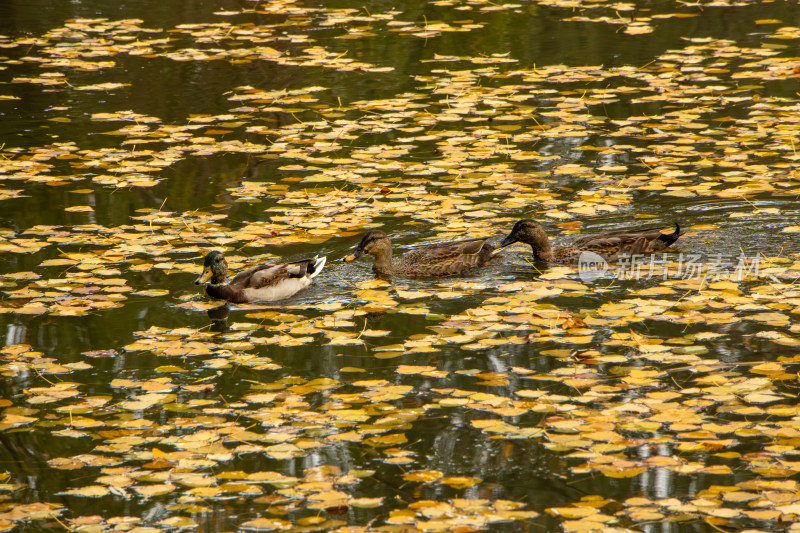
(316, 265)
(669, 238)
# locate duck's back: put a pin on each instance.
(617, 237)
(613, 243)
(273, 281)
(441, 259)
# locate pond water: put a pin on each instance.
(137, 136)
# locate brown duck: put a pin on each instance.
(609, 244)
(261, 283)
(438, 259)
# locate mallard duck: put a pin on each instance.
(262, 283)
(608, 244)
(437, 259)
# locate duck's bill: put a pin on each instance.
(205, 277)
(508, 241)
(355, 255)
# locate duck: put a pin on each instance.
(608, 244)
(440, 259)
(263, 283)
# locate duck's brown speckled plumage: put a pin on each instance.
(609, 244)
(260, 283)
(438, 259)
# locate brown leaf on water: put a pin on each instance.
(100, 353)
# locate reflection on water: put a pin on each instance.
(219, 318)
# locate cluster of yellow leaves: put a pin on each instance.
(428, 515)
(23, 513)
(721, 505)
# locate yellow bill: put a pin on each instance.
(205, 277)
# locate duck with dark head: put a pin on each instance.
(263, 283)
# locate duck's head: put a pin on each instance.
(373, 242)
(215, 269)
(529, 232)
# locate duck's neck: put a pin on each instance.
(221, 292)
(383, 263)
(218, 276)
(543, 252)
